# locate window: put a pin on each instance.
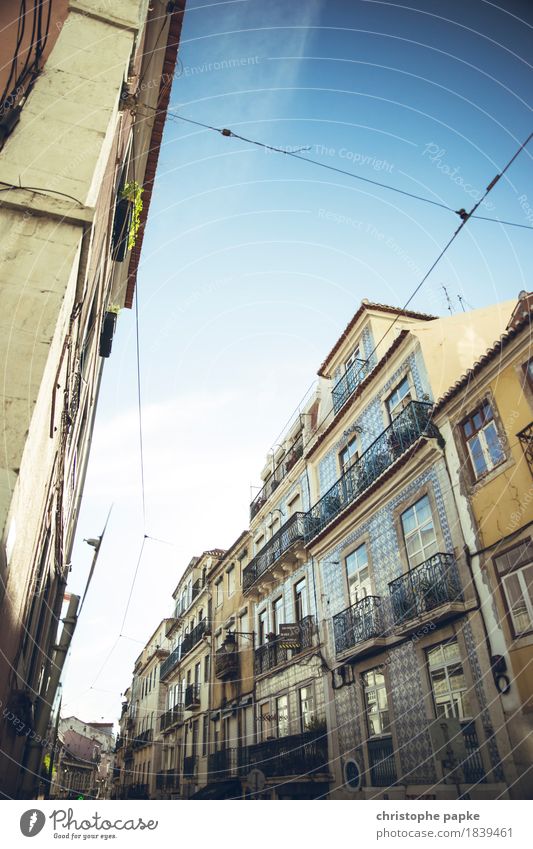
(197, 670)
(282, 715)
(294, 505)
(357, 574)
(206, 668)
(264, 721)
(376, 703)
(219, 593)
(258, 543)
(448, 681)
(356, 355)
(419, 532)
(243, 637)
(528, 371)
(277, 614)
(349, 454)
(482, 440)
(399, 398)
(263, 626)
(194, 740)
(300, 601)
(205, 733)
(231, 580)
(307, 705)
(515, 569)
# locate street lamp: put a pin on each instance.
(230, 643)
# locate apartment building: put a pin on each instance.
(122, 771)
(85, 91)
(411, 713)
(184, 726)
(84, 765)
(486, 421)
(231, 702)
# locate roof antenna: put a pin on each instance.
(448, 299)
(459, 298)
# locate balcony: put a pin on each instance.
(348, 383)
(171, 717)
(296, 755)
(272, 654)
(291, 456)
(411, 424)
(226, 664)
(431, 588)
(168, 780)
(225, 764)
(360, 625)
(188, 643)
(143, 739)
(526, 441)
(137, 791)
(119, 744)
(192, 697)
(289, 533)
(381, 762)
(168, 665)
(189, 766)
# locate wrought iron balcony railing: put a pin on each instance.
(526, 441)
(472, 765)
(272, 654)
(298, 754)
(291, 456)
(358, 623)
(170, 662)
(143, 738)
(119, 744)
(189, 766)
(225, 763)
(168, 780)
(288, 534)
(412, 423)
(171, 717)
(137, 791)
(188, 643)
(381, 761)
(192, 696)
(226, 664)
(348, 383)
(426, 587)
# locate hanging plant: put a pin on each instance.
(132, 191)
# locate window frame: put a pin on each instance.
(463, 660)
(384, 686)
(412, 506)
(480, 432)
(361, 543)
(501, 575)
(411, 393)
(231, 575)
(353, 438)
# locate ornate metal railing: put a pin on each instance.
(167, 780)
(412, 423)
(171, 717)
(272, 654)
(189, 766)
(433, 583)
(192, 696)
(381, 761)
(143, 739)
(526, 441)
(348, 383)
(188, 643)
(288, 534)
(472, 766)
(298, 754)
(279, 472)
(226, 664)
(119, 744)
(171, 661)
(137, 791)
(362, 621)
(224, 763)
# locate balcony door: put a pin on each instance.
(300, 600)
(419, 532)
(358, 574)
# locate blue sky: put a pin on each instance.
(254, 262)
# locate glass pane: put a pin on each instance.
(423, 510)
(476, 453)
(517, 603)
(493, 443)
(451, 652)
(408, 521)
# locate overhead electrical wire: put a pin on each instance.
(297, 155)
